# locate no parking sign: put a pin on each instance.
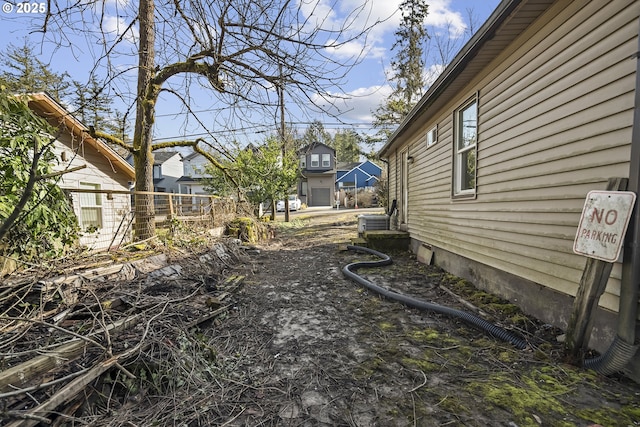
(603, 224)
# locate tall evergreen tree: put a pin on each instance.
(92, 103)
(23, 72)
(408, 66)
(347, 145)
(315, 133)
(94, 108)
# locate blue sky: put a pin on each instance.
(365, 86)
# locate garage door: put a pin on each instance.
(320, 197)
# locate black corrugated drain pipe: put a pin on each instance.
(489, 327)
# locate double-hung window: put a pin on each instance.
(326, 160)
(90, 207)
(315, 160)
(466, 140)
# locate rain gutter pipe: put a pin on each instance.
(624, 345)
(492, 329)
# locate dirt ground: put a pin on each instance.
(299, 344)
(320, 350)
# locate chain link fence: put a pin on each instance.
(107, 219)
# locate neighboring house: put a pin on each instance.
(100, 214)
(167, 169)
(192, 182)
(193, 175)
(318, 168)
(491, 168)
(360, 174)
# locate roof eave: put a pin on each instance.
(80, 130)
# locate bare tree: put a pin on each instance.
(238, 50)
(446, 40)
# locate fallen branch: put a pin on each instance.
(208, 316)
(464, 302)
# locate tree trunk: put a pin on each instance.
(142, 136)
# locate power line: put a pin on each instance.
(257, 129)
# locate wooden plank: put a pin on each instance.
(22, 373)
(68, 392)
(592, 285)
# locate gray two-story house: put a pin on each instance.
(318, 169)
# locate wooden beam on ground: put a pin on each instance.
(65, 394)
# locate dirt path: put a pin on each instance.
(314, 348)
(297, 344)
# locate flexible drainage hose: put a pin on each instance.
(492, 329)
(615, 359)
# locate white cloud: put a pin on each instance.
(356, 106)
(440, 16)
(115, 27)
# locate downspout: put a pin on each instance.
(624, 346)
(388, 182)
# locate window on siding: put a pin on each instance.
(466, 139)
(326, 160)
(315, 160)
(303, 161)
(157, 172)
(432, 136)
(90, 207)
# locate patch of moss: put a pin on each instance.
(521, 399)
(422, 364)
(607, 416)
(505, 308)
(507, 356)
(424, 335)
(367, 368)
(386, 326)
(518, 318)
(453, 405)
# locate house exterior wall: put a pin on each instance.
(171, 169)
(367, 173)
(317, 187)
(98, 173)
(320, 149)
(555, 112)
(320, 190)
(371, 168)
(194, 166)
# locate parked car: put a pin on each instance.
(294, 204)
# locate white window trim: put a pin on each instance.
(432, 136)
(315, 160)
(458, 192)
(326, 160)
(91, 201)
